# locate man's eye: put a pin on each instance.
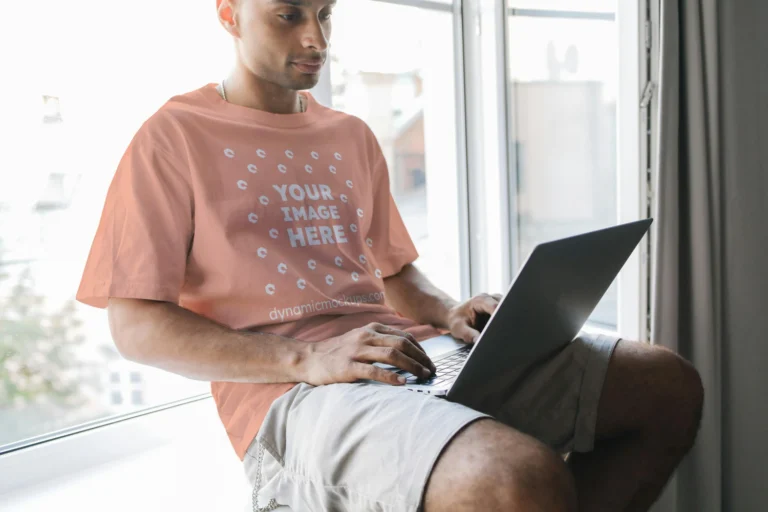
(288, 17)
(326, 16)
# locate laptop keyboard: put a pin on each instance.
(447, 369)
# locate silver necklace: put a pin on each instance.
(223, 95)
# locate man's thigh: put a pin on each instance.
(350, 447)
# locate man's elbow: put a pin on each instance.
(129, 321)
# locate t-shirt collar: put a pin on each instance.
(260, 116)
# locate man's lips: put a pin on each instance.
(309, 66)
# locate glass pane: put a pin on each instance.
(563, 77)
(404, 88)
(68, 108)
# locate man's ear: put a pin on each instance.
(226, 13)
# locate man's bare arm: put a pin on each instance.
(411, 294)
(169, 337)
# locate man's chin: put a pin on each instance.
(305, 83)
(301, 81)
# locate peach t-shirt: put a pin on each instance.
(279, 223)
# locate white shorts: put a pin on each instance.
(360, 447)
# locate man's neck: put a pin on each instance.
(248, 90)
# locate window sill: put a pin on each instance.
(177, 458)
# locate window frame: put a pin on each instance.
(635, 27)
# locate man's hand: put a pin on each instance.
(463, 318)
(347, 358)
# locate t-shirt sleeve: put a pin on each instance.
(388, 237)
(143, 238)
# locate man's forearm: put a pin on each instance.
(172, 338)
(411, 294)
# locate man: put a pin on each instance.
(249, 238)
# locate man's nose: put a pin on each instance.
(315, 36)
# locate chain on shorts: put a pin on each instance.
(272, 505)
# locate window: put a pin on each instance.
(563, 89)
(503, 125)
(51, 109)
(404, 87)
(68, 109)
(137, 397)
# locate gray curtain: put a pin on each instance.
(711, 283)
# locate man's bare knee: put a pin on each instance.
(489, 466)
(653, 392)
(685, 399)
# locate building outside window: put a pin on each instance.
(563, 77)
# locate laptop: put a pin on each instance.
(543, 310)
